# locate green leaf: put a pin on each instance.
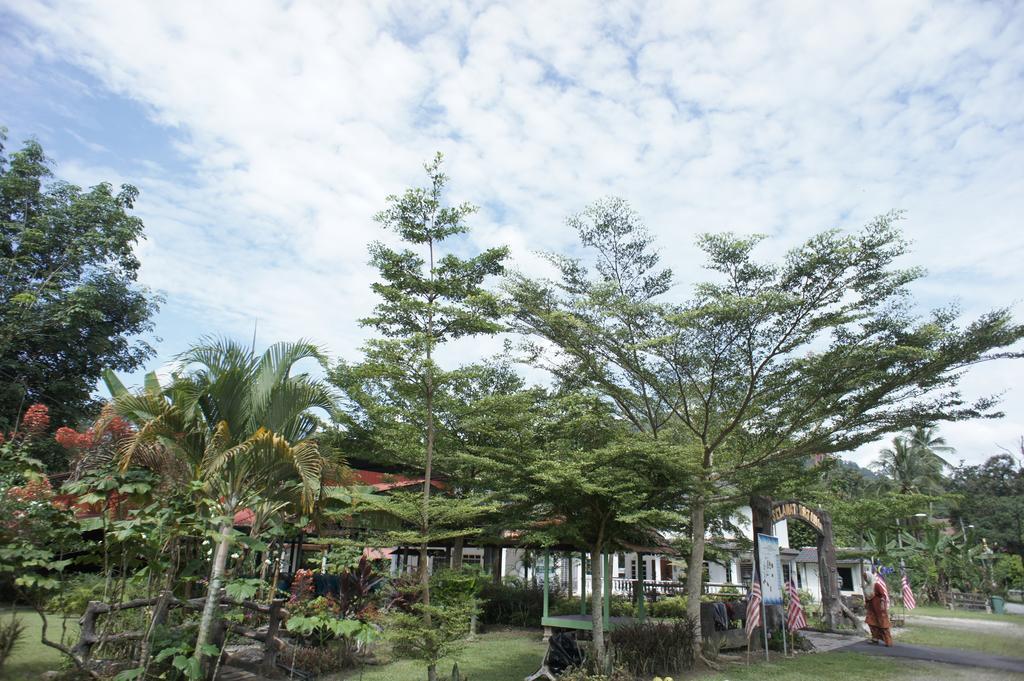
(90, 524)
(130, 674)
(210, 650)
(242, 589)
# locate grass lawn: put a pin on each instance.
(498, 656)
(30, 657)
(939, 611)
(1010, 644)
(841, 665)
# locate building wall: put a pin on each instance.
(809, 580)
(780, 530)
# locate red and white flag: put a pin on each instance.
(908, 596)
(795, 619)
(885, 588)
(754, 605)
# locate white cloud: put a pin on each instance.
(784, 118)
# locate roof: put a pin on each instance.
(380, 482)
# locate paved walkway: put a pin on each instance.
(1015, 608)
(824, 643)
(964, 658)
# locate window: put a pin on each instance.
(728, 572)
(845, 579)
(621, 572)
(472, 559)
(746, 572)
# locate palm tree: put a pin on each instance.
(241, 427)
(927, 440)
(913, 463)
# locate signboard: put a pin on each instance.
(770, 568)
(793, 509)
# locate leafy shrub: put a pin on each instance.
(518, 605)
(318, 660)
(673, 606)
(78, 591)
(647, 648)
(10, 632)
(585, 674)
(622, 606)
(444, 638)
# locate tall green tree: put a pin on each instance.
(242, 426)
(912, 463)
(70, 304)
(383, 420)
(817, 353)
(427, 299)
(990, 496)
(576, 475)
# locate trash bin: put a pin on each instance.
(998, 605)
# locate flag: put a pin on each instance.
(885, 588)
(908, 596)
(754, 605)
(795, 619)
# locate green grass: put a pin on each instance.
(499, 656)
(30, 657)
(813, 668)
(1010, 644)
(939, 611)
(839, 665)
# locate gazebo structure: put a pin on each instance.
(583, 621)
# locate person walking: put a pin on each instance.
(876, 602)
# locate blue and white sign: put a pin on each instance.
(770, 567)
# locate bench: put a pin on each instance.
(969, 601)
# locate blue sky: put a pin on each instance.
(264, 135)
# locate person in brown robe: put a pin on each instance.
(877, 610)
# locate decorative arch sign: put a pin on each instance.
(787, 510)
(766, 513)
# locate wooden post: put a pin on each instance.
(270, 642)
(160, 609)
(828, 574)
(87, 633)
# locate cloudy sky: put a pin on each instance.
(264, 136)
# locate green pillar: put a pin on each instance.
(641, 572)
(583, 583)
(547, 579)
(607, 563)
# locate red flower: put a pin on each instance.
(37, 419)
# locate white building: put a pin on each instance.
(662, 573)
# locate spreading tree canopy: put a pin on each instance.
(70, 305)
(765, 361)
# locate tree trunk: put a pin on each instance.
(428, 465)
(695, 567)
(210, 608)
(456, 560)
(597, 606)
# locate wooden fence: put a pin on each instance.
(162, 605)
